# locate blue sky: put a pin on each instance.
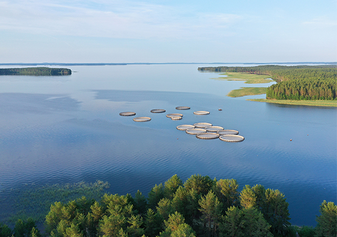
(168, 31)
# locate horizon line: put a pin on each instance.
(149, 63)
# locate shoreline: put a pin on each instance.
(246, 77)
(246, 91)
(316, 103)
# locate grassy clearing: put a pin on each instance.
(35, 202)
(247, 91)
(326, 103)
(248, 78)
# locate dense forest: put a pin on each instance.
(294, 82)
(199, 207)
(35, 71)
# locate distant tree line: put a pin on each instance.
(304, 89)
(199, 207)
(294, 82)
(35, 71)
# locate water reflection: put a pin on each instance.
(22, 103)
(137, 96)
(75, 133)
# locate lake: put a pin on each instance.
(56, 130)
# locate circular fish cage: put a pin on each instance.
(214, 128)
(195, 131)
(228, 132)
(208, 135)
(158, 111)
(201, 112)
(142, 119)
(231, 138)
(202, 125)
(175, 114)
(184, 127)
(176, 117)
(182, 108)
(127, 113)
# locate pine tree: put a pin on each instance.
(227, 192)
(327, 221)
(244, 222)
(247, 197)
(135, 226)
(153, 223)
(156, 193)
(211, 209)
(164, 208)
(140, 203)
(201, 184)
(171, 186)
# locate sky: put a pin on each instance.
(128, 31)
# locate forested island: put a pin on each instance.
(293, 82)
(35, 71)
(199, 207)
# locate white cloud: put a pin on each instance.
(113, 19)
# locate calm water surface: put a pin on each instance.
(68, 129)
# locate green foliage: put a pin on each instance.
(301, 231)
(111, 225)
(153, 223)
(244, 222)
(304, 89)
(192, 208)
(327, 221)
(113, 216)
(306, 231)
(259, 192)
(294, 82)
(292, 231)
(325, 103)
(35, 232)
(232, 225)
(172, 185)
(183, 230)
(25, 228)
(35, 71)
(176, 226)
(211, 209)
(279, 72)
(256, 211)
(244, 91)
(201, 184)
(227, 192)
(247, 77)
(140, 203)
(174, 220)
(135, 226)
(5, 231)
(180, 201)
(164, 208)
(275, 211)
(156, 193)
(247, 197)
(69, 219)
(272, 205)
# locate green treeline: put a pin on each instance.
(35, 71)
(199, 207)
(294, 82)
(303, 89)
(281, 73)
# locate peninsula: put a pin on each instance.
(35, 71)
(302, 85)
